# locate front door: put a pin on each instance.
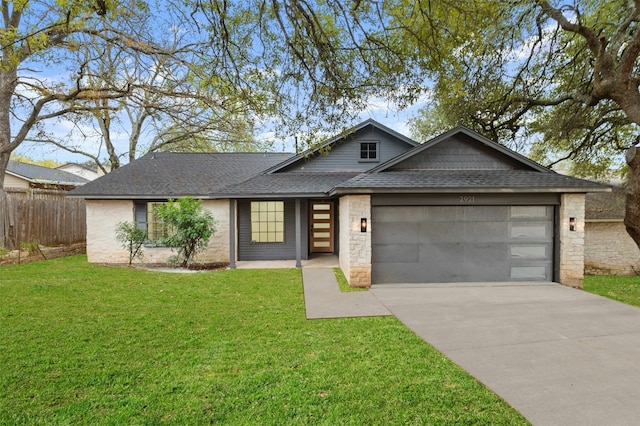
(321, 226)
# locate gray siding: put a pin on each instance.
(345, 154)
(459, 152)
(272, 251)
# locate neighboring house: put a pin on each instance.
(458, 208)
(82, 170)
(608, 248)
(25, 176)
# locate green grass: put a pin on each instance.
(88, 344)
(623, 288)
(343, 284)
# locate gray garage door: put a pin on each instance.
(440, 244)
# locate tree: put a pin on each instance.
(168, 108)
(191, 226)
(563, 74)
(132, 239)
(39, 34)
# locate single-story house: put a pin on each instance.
(82, 170)
(458, 208)
(24, 176)
(608, 248)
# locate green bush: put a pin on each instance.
(132, 238)
(192, 227)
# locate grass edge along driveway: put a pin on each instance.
(89, 344)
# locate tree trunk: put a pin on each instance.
(4, 162)
(632, 213)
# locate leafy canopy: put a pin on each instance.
(562, 76)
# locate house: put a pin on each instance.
(458, 208)
(608, 248)
(24, 176)
(82, 170)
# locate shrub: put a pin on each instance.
(132, 238)
(192, 227)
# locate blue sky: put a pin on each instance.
(379, 111)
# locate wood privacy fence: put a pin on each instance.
(44, 216)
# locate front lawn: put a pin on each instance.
(87, 344)
(623, 288)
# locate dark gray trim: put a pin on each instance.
(466, 190)
(232, 234)
(556, 244)
(140, 214)
(271, 196)
(298, 235)
(455, 199)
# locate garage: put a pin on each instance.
(462, 243)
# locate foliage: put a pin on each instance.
(562, 76)
(52, 164)
(132, 239)
(32, 246)
(88, 344)
(191, 226)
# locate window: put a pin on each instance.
(267, 221)
(146, 219)
(156, 228)
(368, 151)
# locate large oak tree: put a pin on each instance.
(564, 74)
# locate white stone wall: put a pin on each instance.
(103, 217)
(572, 242)
(608, 249)
(355, 246)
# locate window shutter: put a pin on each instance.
(140, 214)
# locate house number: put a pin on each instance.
(467, 199)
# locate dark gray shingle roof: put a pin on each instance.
(42, 174)
(290, 183)
(435, 180)
(166, 175)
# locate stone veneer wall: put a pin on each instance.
(572, 242)
(355, 246)
(608, 249)
(104, 215)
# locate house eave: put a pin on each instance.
(440, 190)
(272, 195)
(137, 196)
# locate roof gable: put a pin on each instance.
(342, 152)
(39, 174)
(461, 149)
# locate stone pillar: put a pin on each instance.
(355, 246)
(572, 242)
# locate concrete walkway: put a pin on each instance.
(323, 298)
(558, 355)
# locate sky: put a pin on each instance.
(379, 111)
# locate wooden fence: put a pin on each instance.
(44, 216)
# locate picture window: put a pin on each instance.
(267, 221)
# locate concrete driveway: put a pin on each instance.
(558, 355)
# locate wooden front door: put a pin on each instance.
(321, 226)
